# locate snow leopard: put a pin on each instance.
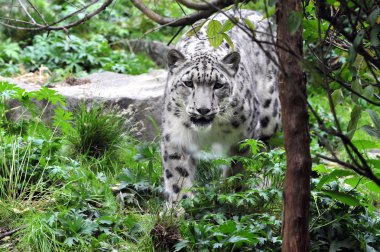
(217, 97)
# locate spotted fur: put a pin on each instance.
(216, 98)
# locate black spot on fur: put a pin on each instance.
(234, 103)
(176, 188)
(169, 107)
(184, 196)
(167, 137)
(168, 174)
(177, 113)
(248, 95)
(186, 124)
(243, 119)
(267, 103)
(182, 171)
(264, 121)
(175, 156)
(271, 90)
(166, 156)
(235, 124)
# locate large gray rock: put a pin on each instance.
(142, 92)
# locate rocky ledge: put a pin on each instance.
(143, 93)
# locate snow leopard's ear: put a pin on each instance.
(232, 61)
(175, 56)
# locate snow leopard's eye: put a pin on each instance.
(218, 85)
(188, 84)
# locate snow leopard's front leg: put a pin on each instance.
(179, 169)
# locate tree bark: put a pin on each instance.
(292, 88)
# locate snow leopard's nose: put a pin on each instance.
(203, 111)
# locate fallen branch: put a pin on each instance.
(11, 232)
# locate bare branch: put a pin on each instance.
(38, 13)
(322, 7)
(18, 21)
(186, 20)
(26, 11)
(11, 232)
(196, 6)
(51, 27)
(363, 168)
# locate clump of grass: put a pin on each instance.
(38, 235)
(97, 130)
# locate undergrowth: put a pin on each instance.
(82, 184)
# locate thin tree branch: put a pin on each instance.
(50, 27)
(186, 20)
(323, 13)
(362, 168)
(26, 12)
(340, 162)
(194, 5)
(38, 13)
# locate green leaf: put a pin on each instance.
(359, 38)
(368, 92)
(235, 239)
(213, 33)
(372, 186)
(70, 241)
(321, 168)
(352, 54)
(375, 118)
(342, 197)
(337, 96)
(251, 26)
(375, 163)
(334, 175)
(195, 29)
(228, 25)
(373, 16)
(375, 41)
(371, 131)
(355, 116)
(294, 21)
(106, 220)
(254, 145)
(353, 182)
(366, 144)
(229, 41)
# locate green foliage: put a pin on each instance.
(110, 195)
(77, 208)
(221, 213)
(216, 32)
(375, 130)
(71, 54)
(27, 147)
(9, 54)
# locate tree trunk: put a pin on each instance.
(292, 88)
